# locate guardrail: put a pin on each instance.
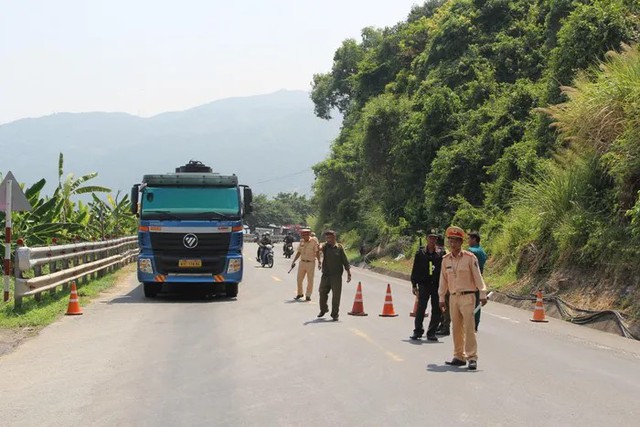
(39, 269)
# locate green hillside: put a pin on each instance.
(506, 116)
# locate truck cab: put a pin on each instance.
(190, 229)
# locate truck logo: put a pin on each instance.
(190, 241)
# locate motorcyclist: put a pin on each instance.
(264, 241)
(288, 240)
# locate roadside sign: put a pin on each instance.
(11, 199)
(19, 202)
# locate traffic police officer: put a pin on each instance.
(460, 276)
(308, 251)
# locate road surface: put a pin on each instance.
(265, 360)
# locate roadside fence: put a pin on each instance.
(40, 269)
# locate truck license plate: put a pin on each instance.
(190, 263)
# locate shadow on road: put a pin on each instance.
(320, 320)
(422, 342)
(432, 367)
(136, 296)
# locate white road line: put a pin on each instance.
(503, 318)
(368, 339)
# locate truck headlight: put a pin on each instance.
(144, 265)
(234, 265)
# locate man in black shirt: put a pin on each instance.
(425, 278)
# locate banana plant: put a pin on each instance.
(72, 186)
(42, 223)
(112, 216)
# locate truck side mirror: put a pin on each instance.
(134, 199)
(248, 200)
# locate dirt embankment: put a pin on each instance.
(586, 290)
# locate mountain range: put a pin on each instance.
(269, 141)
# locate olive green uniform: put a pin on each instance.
(334, 263)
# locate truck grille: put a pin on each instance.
(212, 249)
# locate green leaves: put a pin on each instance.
(284, 208)
(444, 121)
(602, 114)
(60, 216)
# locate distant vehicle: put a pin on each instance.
(190, 228)
(294, 229)
(288, 250)
(267, 256)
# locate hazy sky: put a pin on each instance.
(150, 56)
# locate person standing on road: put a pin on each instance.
(460, 276)
(445, 318)
(308, 251)
(425, 277)
(334, 262)
(475, 248)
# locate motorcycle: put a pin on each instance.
(267, 256)
(288, 249)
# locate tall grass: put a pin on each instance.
(554, 214)
(575, 210)
(603, 114)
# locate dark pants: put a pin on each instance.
(477, 315)
(445, 324)
(330, 284)
(424, 293)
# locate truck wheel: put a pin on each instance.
(151, 289)
(231, 290)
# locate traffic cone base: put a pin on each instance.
(358, 305)
(74, 302)
(387, 310)
(538, 312)
(415, 308)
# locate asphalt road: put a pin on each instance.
(265, 360)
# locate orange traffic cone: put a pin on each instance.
(74, 301)
(415, 308)
(358, 306)
(387, 310)
(538, 312)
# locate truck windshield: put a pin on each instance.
(190, 203)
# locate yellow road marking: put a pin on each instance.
(277, 279)
(368, 339)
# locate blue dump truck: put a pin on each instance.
(190, 229)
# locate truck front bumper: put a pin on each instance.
(147, 273)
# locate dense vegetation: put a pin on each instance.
(284, 208)
(494, 115)
(60, 218)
